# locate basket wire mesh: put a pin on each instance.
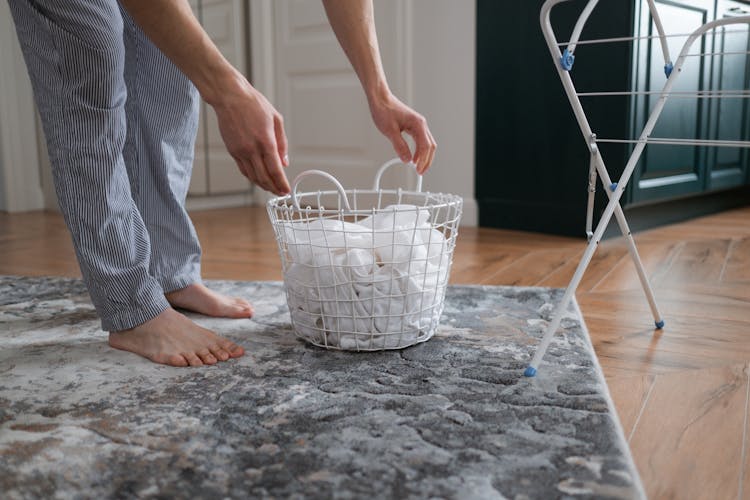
(371, 273)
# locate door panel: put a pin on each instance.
(664, 170)
(730, 115)
(310, 97)
(199, 178)
(223, 21)
(214, 170)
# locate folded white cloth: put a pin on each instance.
(374, 284)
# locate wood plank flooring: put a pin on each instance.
(681, 393)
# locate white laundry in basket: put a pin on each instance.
(396, 240)
(369, 284)
(307, 241)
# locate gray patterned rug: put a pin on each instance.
(450, 418)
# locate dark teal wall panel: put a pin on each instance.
(532, 161)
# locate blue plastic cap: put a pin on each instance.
(530, 372)
(668, 69)
(659, 324)
(567, 60)
(613, 186)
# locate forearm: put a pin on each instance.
(172, 27)
(250, 126)
(354, 24)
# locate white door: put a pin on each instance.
(214, 170)
(327, 119)
(224, 21)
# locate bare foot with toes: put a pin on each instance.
(172, 339)
(198, 298)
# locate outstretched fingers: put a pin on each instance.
(392, 117)
(424, 152)
(400, 146)
(261, 172)
(281, 141)
(265, 170)
(275, 171)
(253, 132)
(246, 168)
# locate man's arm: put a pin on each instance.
(354, 25)
(253, 131)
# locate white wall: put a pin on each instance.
(20, 185)
(442, 41)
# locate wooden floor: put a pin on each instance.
(681, 393)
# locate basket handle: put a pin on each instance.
(328, 176)
(390, 163)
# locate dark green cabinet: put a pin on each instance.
(667, 170)
(730, 118)
(531, 159)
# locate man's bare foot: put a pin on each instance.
(198, 298)
(172, 339)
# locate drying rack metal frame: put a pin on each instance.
(564, 61)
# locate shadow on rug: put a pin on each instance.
(449, 418)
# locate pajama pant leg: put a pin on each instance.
(162, 115)
(75, 57)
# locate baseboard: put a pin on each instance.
(470, 215)
(568, 220)
(642, 217)
(535, 216)
(220, 201)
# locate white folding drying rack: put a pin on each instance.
(563, 61)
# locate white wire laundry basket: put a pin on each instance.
(365, 270)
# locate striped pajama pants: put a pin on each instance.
(120, 122)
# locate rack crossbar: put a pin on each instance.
(679, 142)
(595, 41)
(697, 94)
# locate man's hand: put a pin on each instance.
(251, 128)
(253, 132)
(353, 22)
(392, 117)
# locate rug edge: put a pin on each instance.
(610, 402)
